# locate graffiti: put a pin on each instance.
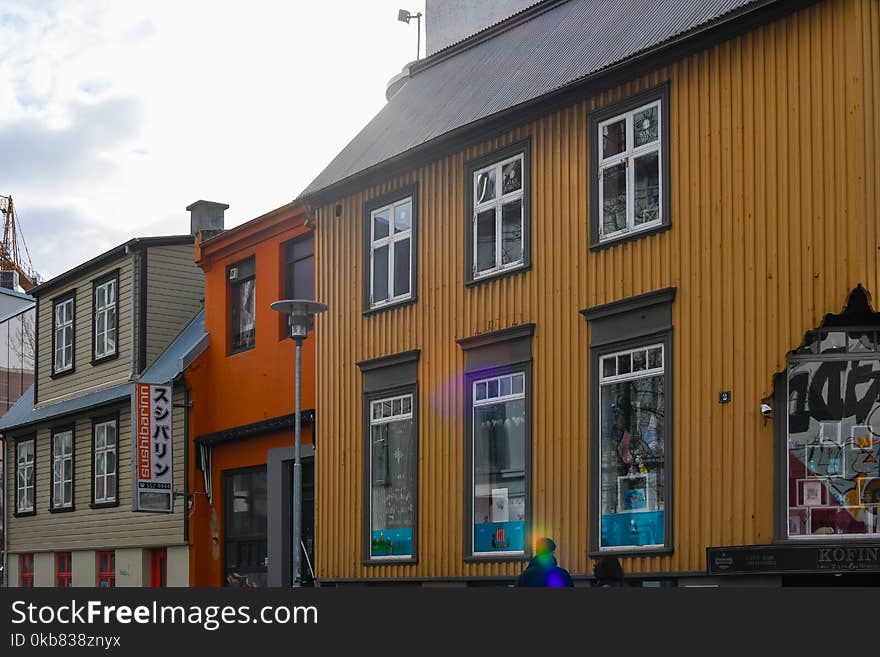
(823, 397)
(834, 443)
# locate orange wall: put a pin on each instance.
(231, 390)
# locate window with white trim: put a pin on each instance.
(498, 495)
(630, 172)
(24, 476)
(393, 476)
(105, 319)
(632, 452)
(62, 469)
(391, 253)
(105, 465)
(498, 217)
(63, 336)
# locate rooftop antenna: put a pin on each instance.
(405, 16)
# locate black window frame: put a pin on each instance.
(287, 277)
(97, 282)
(410, 191)
(507, 351)
(229, 537)
(523, 147)
(383, 377)
(232, 286)
(70, 295)
(32, 437)
(52, 434)
(629, 323)
(96, 420)
(657, 93)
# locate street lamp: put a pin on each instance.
(299, 319)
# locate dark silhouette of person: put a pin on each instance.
(608, 572)
(543, 570)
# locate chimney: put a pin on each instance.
(206, 219)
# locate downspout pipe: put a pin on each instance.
(134, 286)
(4, 577)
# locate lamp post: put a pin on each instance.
(299, 319)
(405, 16)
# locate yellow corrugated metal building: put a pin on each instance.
(739, 182)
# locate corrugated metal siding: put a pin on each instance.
(85, 376)
(87, 528)
(774, 198)
(175, 293)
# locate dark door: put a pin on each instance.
(308, 520)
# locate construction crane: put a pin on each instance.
(12, 265)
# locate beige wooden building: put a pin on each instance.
(130, 315)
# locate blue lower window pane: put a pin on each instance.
(392, 543)
(500, 536)
(632, 529)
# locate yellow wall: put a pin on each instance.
(774, 180)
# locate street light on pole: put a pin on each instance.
(299, 319)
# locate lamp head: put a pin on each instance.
(404, 16)
(299, 314)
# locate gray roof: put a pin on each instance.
(185, 348)
(560, 44)
(23, 412)
(189, 343)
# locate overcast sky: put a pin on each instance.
(115, 115)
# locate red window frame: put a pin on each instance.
(26, 571)
(159, 570)
(63, 570)
(107, 569)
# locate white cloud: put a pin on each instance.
(123, 113)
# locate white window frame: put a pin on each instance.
(104, 311)
(59, 329)
(628, 157)
(22, 463)
(101, 450)
(61, 458)
(390, 241)
(497, 203)
(379, 420)
(646, 373)
(486, 400)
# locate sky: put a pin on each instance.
(116, 115)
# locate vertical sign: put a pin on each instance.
(153, 453)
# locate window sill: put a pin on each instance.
(66, 509)
(24, 514)
(58, 375)
(503, 273)
(243, 350)
(389, 306)
(630, 237)
(104, 359)
(408, 561)
(103, 505)
(491, 558)
(632, 552)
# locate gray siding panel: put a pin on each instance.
(87, 528)
(175, 293)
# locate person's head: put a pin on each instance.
(544, 547)
(608, 569)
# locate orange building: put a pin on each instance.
(242, 393)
